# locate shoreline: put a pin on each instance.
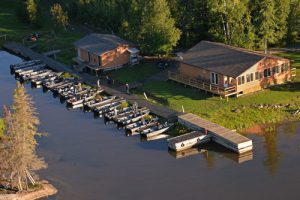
(46, 191)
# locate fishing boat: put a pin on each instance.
(188, 140)
(30, 69)
(35, 74)
(98, 102)
(69, 92)
(109, 107)
(39, 80)
(77, 101)
(52, 83)
(114, 114)
(63, 84)
(137, 127)
(24, 64)
(156, 130)
(134, 117)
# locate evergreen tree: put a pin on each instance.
(265, 22)
(293, 21)
(20, 143)
(158, 34)
(282, 12)
(191, 18)
(60, 17)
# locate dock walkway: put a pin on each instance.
(219, 134)
(25, 52)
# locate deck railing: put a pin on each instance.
(222, 91)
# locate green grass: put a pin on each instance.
(16, 30)
(218, 110)
(138, 72)
(10, 24)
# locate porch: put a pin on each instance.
(87, 67)
(201, 85)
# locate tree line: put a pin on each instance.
(159, 26)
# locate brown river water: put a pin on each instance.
(89, 160)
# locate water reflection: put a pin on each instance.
(208, 152)
(270, 135)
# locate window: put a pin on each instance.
(214, 79)
(256, 75)
(251, 77)
(276, 69)
(90, 56)
(269, 71)
(239, 81)
(273, 70)
(248, 78)
(266, 73)
(243, 79)
(99, 61)
(261, 75)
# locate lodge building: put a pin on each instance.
(228, 71)
(103, 52)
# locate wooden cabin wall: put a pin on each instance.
(116, 57)
(259, 84)
(199, 73)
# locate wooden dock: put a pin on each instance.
(25, 52)
(226, 137)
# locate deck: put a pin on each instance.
(186, 80)
(219, 134)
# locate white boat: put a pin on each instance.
(113, 115)
(125, 113)
(30, 69)
(156, 130)
(39, 80)
(133, 117)
(109, 107)
(36, 74)
(139, 126)
(188, 140)
(94, 105)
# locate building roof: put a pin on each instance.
(100, 43)
(221, 58)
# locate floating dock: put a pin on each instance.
(223, 136)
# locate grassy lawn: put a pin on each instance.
(10, 24)
(63, 41)
(16, 30)
(218, 110)
(138, 72)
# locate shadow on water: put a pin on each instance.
(208, 152)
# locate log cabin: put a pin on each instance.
(102, 52)
(230, 71)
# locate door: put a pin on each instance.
(214, 79)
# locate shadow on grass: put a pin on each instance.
(176, 91)
(289, 87)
